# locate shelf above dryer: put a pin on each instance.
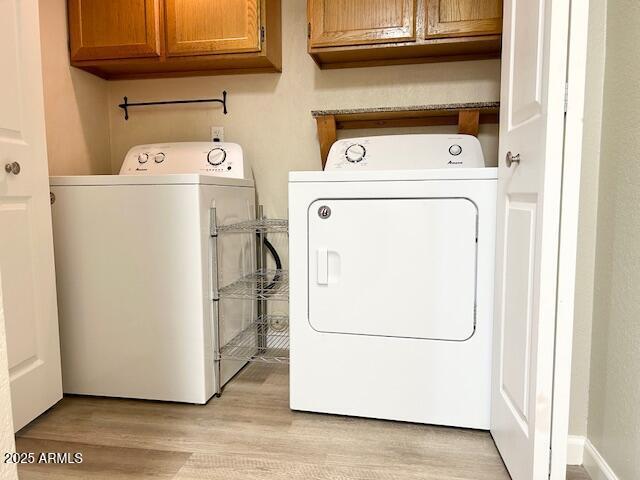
(467, 116)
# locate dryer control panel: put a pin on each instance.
(406, 152)
(221, 159)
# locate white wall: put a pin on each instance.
(614, 409)
(269, 114)
(76, 102)
(7, 444)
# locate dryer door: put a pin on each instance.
(393, 267)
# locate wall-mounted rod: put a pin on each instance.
(126, 105)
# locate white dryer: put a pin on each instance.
(391, 281)
(136, 269)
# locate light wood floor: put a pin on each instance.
(249, 434)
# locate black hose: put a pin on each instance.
(276, 259)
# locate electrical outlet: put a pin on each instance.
(217, 134)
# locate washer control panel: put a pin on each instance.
(221, 159)
(406, 152)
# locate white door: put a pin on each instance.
(534, 66)
(26, 246)
(419, 255)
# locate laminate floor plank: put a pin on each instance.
(577, 473)
(250, 433)
(100, 462)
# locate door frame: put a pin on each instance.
(7, 437)
(567, 249)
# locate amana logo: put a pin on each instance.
(451, 162)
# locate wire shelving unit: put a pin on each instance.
(266, 338)
(262, 225)
(260, 285)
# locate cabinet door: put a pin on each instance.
(114, 29)
(460, 18)
(353, 22)
(200, 27)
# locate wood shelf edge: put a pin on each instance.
(467, 116)
(327, 135)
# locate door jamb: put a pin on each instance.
(567, 251)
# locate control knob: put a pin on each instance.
(159, 157)
(355, 153)
(143, 157)
(455, 150)
(217, 156)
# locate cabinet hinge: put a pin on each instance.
(309, 30)
(261, 34)
(566, 97)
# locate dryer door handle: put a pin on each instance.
(323, 266)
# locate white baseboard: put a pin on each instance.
(575, 450)
(595, 464)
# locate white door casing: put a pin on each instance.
(534, 65)
(571, 176)
(26, 246)
(7, 440)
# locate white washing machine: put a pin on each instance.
(391, 281)
(136, 268)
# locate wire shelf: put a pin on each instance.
(266, 340)
(260, 285)
(265, 225)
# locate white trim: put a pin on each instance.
(575, 449)
(578, 27)
(595, 464)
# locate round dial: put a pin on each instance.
(143, 157)
(455, 150)
(217, 156)
(159, 157)
(355, 153)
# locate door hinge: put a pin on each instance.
(566, 97)
(262, 34)
(309, 30)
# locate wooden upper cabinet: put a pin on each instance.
(201, 27)
(356, 22)
(455, 18)
(173, 38)
(365, 33)
(100, 29)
